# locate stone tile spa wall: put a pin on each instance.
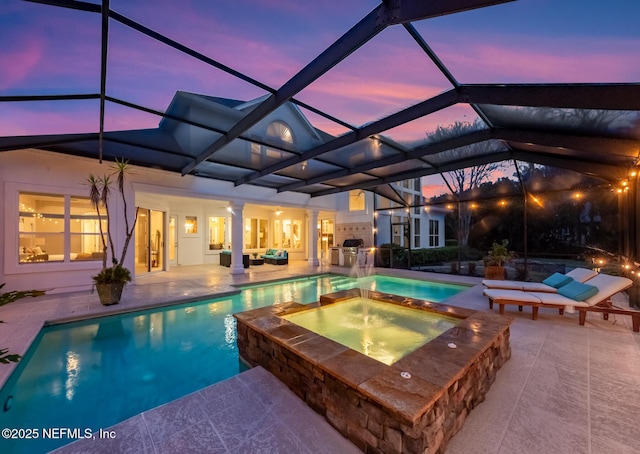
(369, 402)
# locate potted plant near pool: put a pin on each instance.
(110, 281)
(495, 260)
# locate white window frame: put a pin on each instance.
(11, 231)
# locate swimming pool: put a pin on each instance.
(98, 372)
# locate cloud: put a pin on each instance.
(540, 59)
(35, 118)
(18, 62)
(49, 50)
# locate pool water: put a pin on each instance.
(96, 373)
(383, 331)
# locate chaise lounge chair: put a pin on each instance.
(594, 296)
(550, 284)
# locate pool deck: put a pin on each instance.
(566, 389)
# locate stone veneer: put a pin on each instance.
(368, 401)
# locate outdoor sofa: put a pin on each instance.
(594, 295)
(276, 257)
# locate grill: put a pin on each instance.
(350, 250)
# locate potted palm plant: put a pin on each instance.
(110, 281)
(495, 260)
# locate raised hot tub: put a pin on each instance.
(416, 403)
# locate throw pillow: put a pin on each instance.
(557, 280)
(578, 291)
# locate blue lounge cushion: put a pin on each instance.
(557, 280)
(578, 291)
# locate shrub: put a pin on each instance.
(6, 298)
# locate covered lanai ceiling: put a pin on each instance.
(409, 66)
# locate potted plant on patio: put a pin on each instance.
(497, 257)
(110, 281)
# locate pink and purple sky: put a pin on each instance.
(51, 50)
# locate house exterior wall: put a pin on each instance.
(392, 213)
(354, 224)
(42, 172)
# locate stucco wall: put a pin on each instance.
(49, 173)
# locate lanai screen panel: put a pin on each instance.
(259, 39)
(309, 169)
(422, 130)
(135, 74)
(544, 48)
(616, 123)
(362, 152)
(385, 75)
(220, 171)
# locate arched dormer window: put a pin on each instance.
(281, 131)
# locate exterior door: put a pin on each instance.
(325, 239)
(150, 241)
(142, 256)
(172, 245)
(156, 240)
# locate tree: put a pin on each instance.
(465, 181)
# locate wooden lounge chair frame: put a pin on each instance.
(607, 308)
(501, 302)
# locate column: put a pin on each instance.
(237, 238)
(312, 215)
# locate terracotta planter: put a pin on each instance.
(110, 293)
(494, 272)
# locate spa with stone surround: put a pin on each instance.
(414, 405)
